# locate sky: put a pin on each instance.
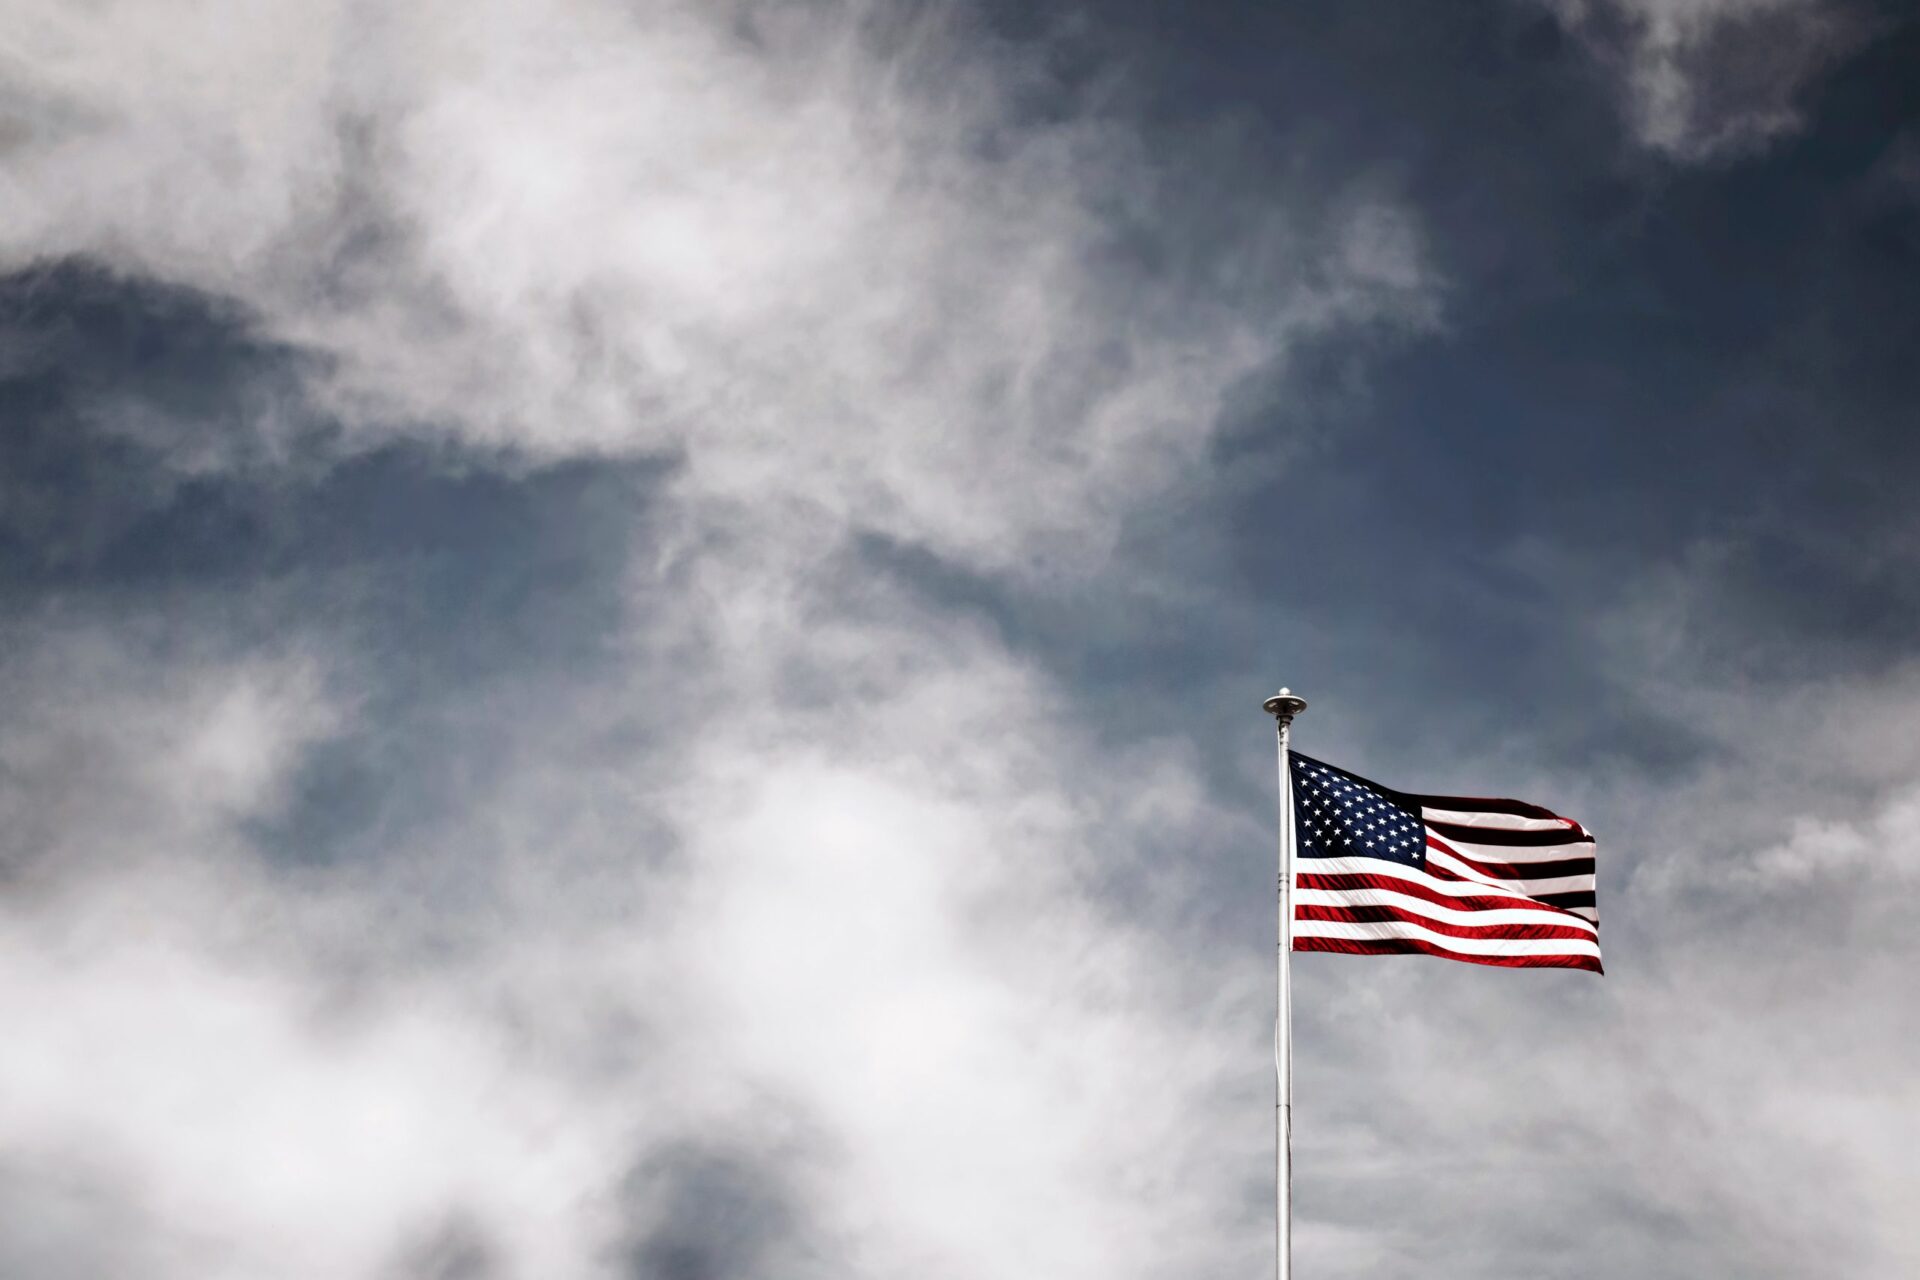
(632, 633)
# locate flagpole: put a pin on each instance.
(1283, 707)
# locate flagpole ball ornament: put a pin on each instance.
(1284, 706)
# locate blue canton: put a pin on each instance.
(1337, 815)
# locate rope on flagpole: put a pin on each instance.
(1283, 707)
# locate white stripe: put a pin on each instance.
(1490, 917)
(1504, 821)
(1554, 884)
(1521, 853)
(1401, 871)
(1465, 946)
(1527, 888)
(1550, 884)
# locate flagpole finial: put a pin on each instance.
(1284, 706)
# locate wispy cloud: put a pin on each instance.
(834, 259)
(1704, 80)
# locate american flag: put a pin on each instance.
(1378, 871)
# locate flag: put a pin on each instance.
(1378, 871)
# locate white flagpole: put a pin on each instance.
(1283, 707)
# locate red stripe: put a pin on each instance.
(1377, 914)
(1417, 946)
(1414, 889)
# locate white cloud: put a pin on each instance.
(116, 742)
(1709, 79)
(919, 957)
(817, 254)
(826, 881)
(879, 962)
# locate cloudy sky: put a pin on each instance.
(631, 632)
